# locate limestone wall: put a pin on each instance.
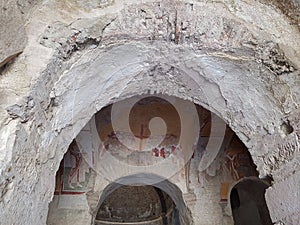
(239, 59)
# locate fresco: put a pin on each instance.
(98, 143)
(239, 163)
(73, 174)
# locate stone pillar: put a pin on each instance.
(283, 200)
(283, 162)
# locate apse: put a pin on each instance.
(137, 205)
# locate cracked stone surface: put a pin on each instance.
(79, 56)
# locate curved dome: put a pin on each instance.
(135, 204)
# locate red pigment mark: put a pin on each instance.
(112, 135)
(156, 152)
(163, 153)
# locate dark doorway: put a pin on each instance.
(248, 203)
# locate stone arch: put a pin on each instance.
(59, 131)
(78, 99)
(147, 179)
(130, 71)
(138, 204)
(261, 214)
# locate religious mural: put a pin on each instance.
(237, 164)
(140, 116)
(73, 174)
(98, 139)
(238, 161)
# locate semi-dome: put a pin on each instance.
(132, 204)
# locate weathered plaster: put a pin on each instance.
(60, 80)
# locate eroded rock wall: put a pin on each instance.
(82, 55)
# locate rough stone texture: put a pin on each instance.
(286, 211)
(290, 8)
(248, 67)
(73, 212)
(12, 28)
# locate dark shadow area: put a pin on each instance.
(248, 203)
